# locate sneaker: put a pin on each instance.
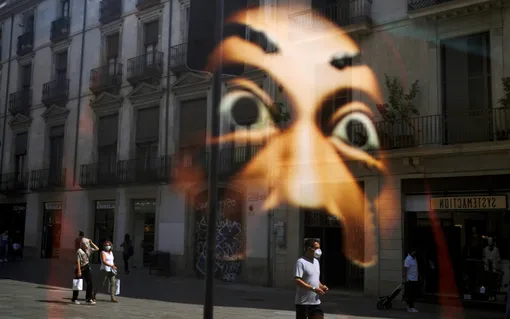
(91, 302)
(411, 310)
(75, 302)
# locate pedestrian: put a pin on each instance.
(308, 285)
(4, 245)
(127, 247)
(83, 270)
(108, 268)
(410, 278)
(77, 241)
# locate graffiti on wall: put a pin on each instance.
(229, 235)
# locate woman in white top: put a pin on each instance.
(108, 268)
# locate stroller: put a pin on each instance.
(385, 302)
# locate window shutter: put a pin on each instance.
(21, 144)
(193, 122)
(151, 32)
(147, 125)
(57, 131)
(108, 130)
(112, 46)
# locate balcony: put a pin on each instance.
(44, 179)
(144, 170)
(20, 102)
(145, 68)
(110, 10)
(352, 15)
(474, 126)
(93, 175)
(144, 4)
(56, 92)
(60, 29)
(441, 9)
(13, 182)
(25, 43)
(107, 78)
(231, 160)
(178, 58)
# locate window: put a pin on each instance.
(193, 123)
(20, 154)
(151, 35)
(28, 22)
(64, 8)
(61, 66)
(185, 23)
(147, 132)
(112, 53)
(107, 143)
(26, 76)
(56, 151)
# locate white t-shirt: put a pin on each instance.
(412, 268)
(108, 256)
(309, 272)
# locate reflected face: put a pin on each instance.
(306, 163)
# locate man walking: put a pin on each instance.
(308, 285)
(411, 280)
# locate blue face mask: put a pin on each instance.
(108, 247)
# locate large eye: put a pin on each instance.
(245, 109)
(356, 129)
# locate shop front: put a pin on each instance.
(12, 219)
(104, 223)
(52, 228)
(143, 230)
(476, 228)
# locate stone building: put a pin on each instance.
(97, 100)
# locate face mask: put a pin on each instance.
(317, 253)
(108, 247)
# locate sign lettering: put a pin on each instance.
(105, 205)
(53, 206)
(227, 203)
(468, 203)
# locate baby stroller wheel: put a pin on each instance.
(380, 305)
(389, 305)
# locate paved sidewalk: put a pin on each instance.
(153, 296)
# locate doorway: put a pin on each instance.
(336, 270)
(143, 231)
(104, 223)
(51, 232)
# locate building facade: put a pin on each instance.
(98, 107)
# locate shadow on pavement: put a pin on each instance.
(189, 290)
(54, 302)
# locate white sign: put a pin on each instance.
(105, 205)
(53, 206)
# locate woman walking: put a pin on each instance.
(127, 247)
(83, 271)
(108, 268)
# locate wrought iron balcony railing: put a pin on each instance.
(56, 91)
(343, 13)
(98, 174)
(144, 170)
(60, 29)
(178, 57)
(25, 43)
(13, 182)
(145, 67)
(144, 4)
(472, 126)
(106, 78)
(110, 10)
(20, 102)
(420, 4)
(46, 179)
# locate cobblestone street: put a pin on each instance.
(25, 293)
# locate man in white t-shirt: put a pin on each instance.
(308, 284)
(411, 279)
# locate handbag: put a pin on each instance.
(77, 284)
(117, 287)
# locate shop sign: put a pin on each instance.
(53, 206)
(145, 205)
(468, 203)
(105, 204)
(19, 207)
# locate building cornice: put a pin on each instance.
(16, 6)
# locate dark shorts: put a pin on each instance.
(309, 311)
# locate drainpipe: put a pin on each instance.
(167, 111)
(80, 80)
(7, 94)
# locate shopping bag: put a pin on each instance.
(77, 284)
(117, 287)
